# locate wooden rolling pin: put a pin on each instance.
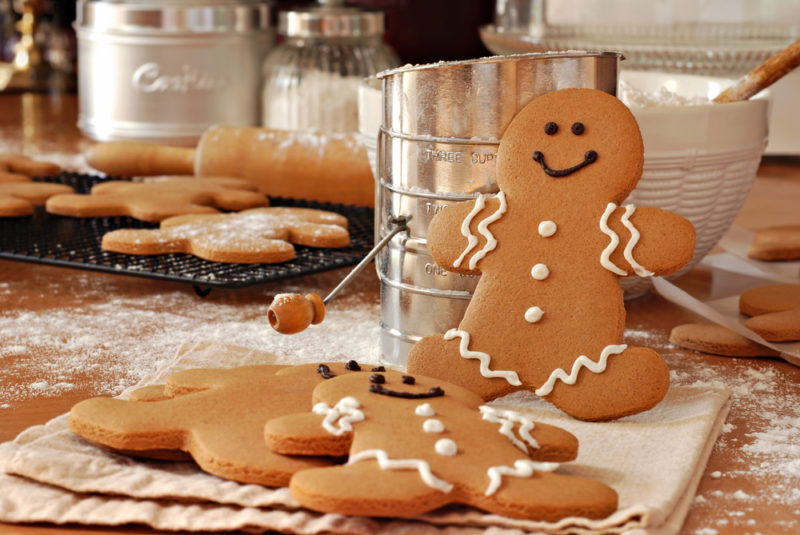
(301, 165)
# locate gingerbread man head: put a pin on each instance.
(579, 141)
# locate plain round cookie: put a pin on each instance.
(781, 326)
(775, 298)
(717, 340)
(776, 243)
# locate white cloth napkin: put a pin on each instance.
(653, 460)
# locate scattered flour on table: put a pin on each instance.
(121, 339)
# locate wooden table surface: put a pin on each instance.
(750, 484)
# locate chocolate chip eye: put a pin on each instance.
(550, 128)
(377, 378)
(577, 128)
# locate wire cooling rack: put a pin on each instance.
(75, 242)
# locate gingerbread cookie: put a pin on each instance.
(156, 200)
(260, 235)
(783, 326)
(19, 168)
(766, 299)
(416, 444)
(776, 243)
(217, 416)
(548, 314)
(20, 198)
(717, 340)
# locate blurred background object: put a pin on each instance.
(37, 45)
(311, 78)
(722, 38)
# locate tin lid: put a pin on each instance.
(173, 16)
(330, 20)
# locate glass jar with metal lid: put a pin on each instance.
(311, 78)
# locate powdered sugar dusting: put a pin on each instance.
(118, 339)
(765, 452)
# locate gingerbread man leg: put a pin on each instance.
(340, 489)
(587, 394)
(443, 356)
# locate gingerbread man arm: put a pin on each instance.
(460, 236)
(651, 241)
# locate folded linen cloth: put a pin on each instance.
(653, 460)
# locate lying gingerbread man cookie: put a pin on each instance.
(548, 313)
(260, 235)
(20, 198)
(217, 416)
(19, 168)
(157, 200)
(416, 444)
(775, 311)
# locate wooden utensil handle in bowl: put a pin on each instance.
(133, 158)
(763, 76)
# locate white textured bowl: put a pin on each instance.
(699, 160)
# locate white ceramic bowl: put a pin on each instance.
(699, 160)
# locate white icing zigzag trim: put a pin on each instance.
(612, 246)
(637, 267)
(345, 411)
(522, 468)
(403, 464)
(507, 419)
(483, 229)
(472, 240)
(580, 362)
(463, 348)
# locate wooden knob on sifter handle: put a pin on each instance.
(292, 313)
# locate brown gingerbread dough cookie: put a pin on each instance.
(157, 200)
(766, 299)
(717, 340)
(416, 444)
(20, 198)
(217, 416)
(260, 235)
(548, 313)
(17, 168)
(776, 243)
(783, 326)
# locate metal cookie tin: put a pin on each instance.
(165, 70)
(437, 145)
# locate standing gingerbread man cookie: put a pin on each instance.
(548, 313)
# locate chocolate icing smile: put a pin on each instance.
(589, 157)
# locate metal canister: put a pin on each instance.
(165, 70)
(437, 145)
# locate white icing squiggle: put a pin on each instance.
(345, 411)
(419, 465)
(628, 253)
(522, 468)
(612, 246)
(472, 240)
(484, 358)
(507, 419)
(580, 362)
(483, 228)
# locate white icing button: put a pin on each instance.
(540, 272)
(432, 425)
(446, 446)
(547, 229)
(533, 314)
(424, 410)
